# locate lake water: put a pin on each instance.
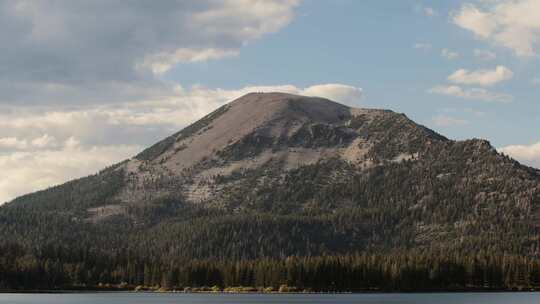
(149, 298)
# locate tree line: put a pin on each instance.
(56, 267)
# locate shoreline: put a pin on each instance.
(87, 291)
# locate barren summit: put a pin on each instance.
(271, 114)
(262, 129)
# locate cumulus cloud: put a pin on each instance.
(481, 77)
(513, 24)
(108, 50)
(485, 54)
(448, 54)
(479, 22)
(338, 92)
(42, 146)
(479, 94)
(527, 154)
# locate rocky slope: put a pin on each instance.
(276, 174)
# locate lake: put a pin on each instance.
(146, 298)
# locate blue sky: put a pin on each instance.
(370, 44)
(86, 84)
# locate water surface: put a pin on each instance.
(150, 298)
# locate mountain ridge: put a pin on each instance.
(281, 155)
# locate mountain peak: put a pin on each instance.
(286, 130)
(275, 103)
(274, 113)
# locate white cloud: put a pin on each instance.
(41, 146)
(13, 143)
(485, 54)
(33, 170)
(527, 154)
(338, 92)
(72, 143)
(44, 141)
(514, 24)
(448, 54)
(448, 121)
(481, 77)
(162, 62)
(475, 20)
(423, 46)
(535, 81)
(479, 94)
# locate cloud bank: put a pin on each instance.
(107, 51)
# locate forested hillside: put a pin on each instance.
(276, 189)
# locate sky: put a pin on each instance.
(85, 84)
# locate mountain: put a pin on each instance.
(273, 175)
